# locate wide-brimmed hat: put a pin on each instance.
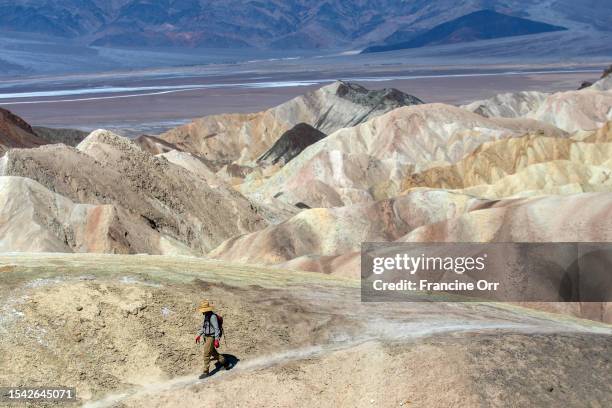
(205, 306)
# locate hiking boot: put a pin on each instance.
(203, 376)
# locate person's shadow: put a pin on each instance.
(231, 361)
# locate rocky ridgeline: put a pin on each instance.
(157, 206)
(240, 139)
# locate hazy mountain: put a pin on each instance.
(480, 25)
(274, 23)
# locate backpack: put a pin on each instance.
(220, 321)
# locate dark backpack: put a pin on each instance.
(219, 320)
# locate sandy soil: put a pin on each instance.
(121, 329)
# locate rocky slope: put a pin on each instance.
(604, 84)
(508, 105)
(556, 218)
(426, 216)
(32, 218)
(70, 137)
(532, 164)
(366, 162)
(154, 145)
(290, 144)
(194, 164)
(176, 205)
(335, 231)
(242, 138)
(35, 219)
(16, 133)
(585, 109)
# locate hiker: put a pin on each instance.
(212, 332)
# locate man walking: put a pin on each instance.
(212, 332)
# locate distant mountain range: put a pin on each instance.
(284, 24)
(480, 25)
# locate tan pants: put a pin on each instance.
(211, 351)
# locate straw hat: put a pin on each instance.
(205, 306)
